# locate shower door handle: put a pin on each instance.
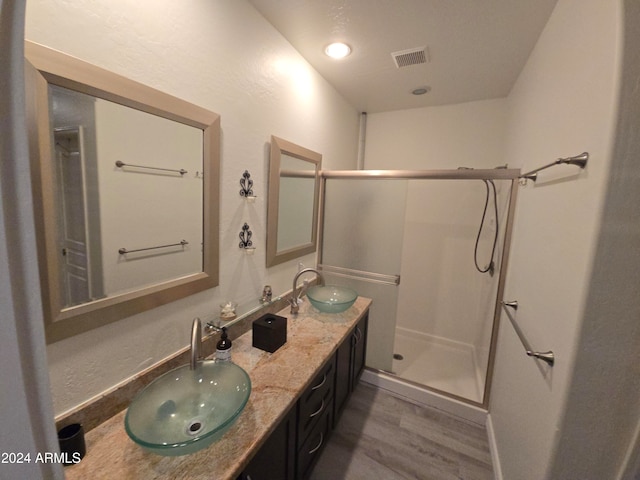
(361, 275)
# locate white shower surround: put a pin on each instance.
(441, 294)
(440, 363)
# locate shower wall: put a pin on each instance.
(434, 327)
(442, 298)
(443, 137)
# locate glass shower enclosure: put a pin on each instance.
(430, 248)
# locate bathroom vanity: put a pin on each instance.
(298, 393)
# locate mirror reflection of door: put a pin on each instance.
(103, 207)
(78, 280)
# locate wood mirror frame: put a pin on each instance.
(281, 147)
(45, 66)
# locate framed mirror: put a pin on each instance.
(126, 193)
(292, 211)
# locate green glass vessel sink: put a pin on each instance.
(331, 298)
(186, 410)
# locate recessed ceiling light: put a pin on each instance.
(338, 50)
(421, 90)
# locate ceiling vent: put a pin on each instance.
(413, 56)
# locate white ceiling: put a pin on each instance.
(477, 48)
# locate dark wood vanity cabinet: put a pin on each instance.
(293, 448)
(350, 358)
(316, 400)
(310, 449)
(276, 458)
(315, 414)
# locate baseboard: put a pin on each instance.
(425, 397)
(493, 447)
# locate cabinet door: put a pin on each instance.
(350, 358)
(359, 349)
(343, 376)
(276, 459)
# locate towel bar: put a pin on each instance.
(547, 357)
(182, 243)
(120, 164)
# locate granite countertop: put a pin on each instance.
(277, 379)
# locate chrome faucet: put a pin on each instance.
(196, 341)
(295, 295)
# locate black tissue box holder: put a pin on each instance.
(269, 332)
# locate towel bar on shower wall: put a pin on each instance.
(579, 160)
(548, 357)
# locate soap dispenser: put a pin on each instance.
(223, 347)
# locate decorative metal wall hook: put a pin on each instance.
(245, 237)
(247, 185)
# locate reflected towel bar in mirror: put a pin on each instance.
(120, 164)
(182, 243)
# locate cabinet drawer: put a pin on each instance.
(312, 447)
(316, 400)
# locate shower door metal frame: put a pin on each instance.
(512, 174)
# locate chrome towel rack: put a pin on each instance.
(120, 164)
(548, 357)
(579, 160)
(123, 251)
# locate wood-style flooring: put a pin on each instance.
(383, 437)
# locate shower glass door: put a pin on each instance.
(434, 328)
(362, 236)
(447, 299)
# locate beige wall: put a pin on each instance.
(563, 103)
(450, 136)
(223, 56)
